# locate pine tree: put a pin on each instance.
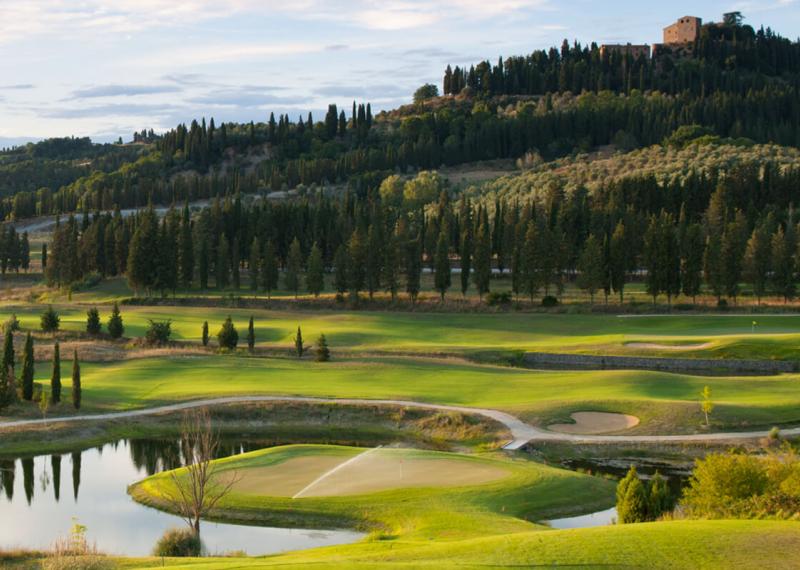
(692, 261)
(204, 335)
(269, 269)
(8, 351)
(315, 273)
(115, 327)
(482, 259)
(93, 325)
(44, 258)
(294, 267)
(373, 258)
(323, 353)
(465, 256)
(413, 268)
(55, 377)
(76, 381)
(251, 335)
(590, 266)
(530, 261)
(50, 321)
(783, 262)
(391, 266)
(631, 499)
(142, 269)
(28, 364)
(442, 274)
(223, 266)
(299, 348)
(255, 260)
(341, 271)
(186, 250)
(203, 262)
(356, 249)
(619, 254)
(228, 336)
(757, 259)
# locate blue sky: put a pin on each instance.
(104, 68)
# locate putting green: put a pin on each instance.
(362, 471)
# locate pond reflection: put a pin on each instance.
(100, 477)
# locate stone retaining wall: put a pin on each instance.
(592, 362)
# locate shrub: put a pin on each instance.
(93, 325)
(115, 327)
(50, 320)
(495, 298)
(722, 305)
(549, 302)
(227, 336)
(178, 542)
(323, 352)
(158, 332)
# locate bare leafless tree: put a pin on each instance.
(197, 489)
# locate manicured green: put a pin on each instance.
(484, 526)
(665, 402)
(773, 337)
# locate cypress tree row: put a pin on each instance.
(76, 381)
(55, 377)
(28, 364)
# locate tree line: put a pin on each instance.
(714, 230)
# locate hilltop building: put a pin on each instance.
(678, 37)
(684, 31)
(634, 50)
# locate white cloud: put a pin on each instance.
(24, 18)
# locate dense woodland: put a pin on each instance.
(740, 84)
(711, 232)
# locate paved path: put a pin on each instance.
(521, 432)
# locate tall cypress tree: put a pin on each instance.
(341, 271)
(294, 267)
(186, 249)
(315, 272)
(442, 277)
(251, 335)
(269, 269)
(76, 381)
(483, 259)
(28, 364)
(222, 268)
(8, 351)
(55, 377)
(204, 335)
(255, 260)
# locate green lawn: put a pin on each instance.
(404, 516)
(665, 402)
(487, 525)
(690, 545)
(775, 337)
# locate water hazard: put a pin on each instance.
(42, 495)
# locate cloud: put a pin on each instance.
(102, 111)
(27, 18)
(17, 87)
(247, 97)
(361, 91)
(115, 90)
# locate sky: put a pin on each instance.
(105, 68)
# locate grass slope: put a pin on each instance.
(484, 526)
(722, 336)
(665, 402)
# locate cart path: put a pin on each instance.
(521, 432)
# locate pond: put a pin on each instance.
(42, 495)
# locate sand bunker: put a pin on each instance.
(591, 423)
(657, 346)
(381, 470)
